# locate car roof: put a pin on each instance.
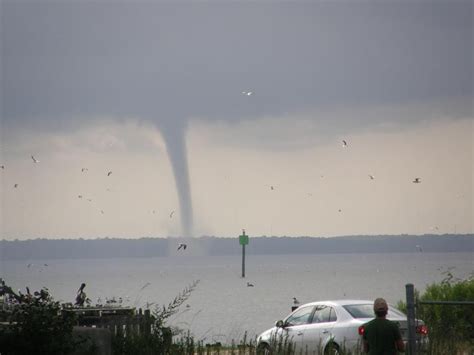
(339, 302)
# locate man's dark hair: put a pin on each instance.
(381, 313)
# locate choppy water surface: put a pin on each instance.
(222, 307)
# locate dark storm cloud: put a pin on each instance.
(167, 62)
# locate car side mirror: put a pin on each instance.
(279, 324)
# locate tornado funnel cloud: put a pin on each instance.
(175, 140)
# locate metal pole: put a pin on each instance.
(410, 292)
(243, 260)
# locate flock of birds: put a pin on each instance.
(79, 196)
(246, 93)
(345, 144)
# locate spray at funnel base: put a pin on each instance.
(174, 137)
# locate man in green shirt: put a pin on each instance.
(381, 336)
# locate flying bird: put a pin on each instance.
(344, 143)
(247, 93)
(171, 214)
(15, 186)
(417, 181)
(35, 160)
(249, 284)
(109, 173)
(84, 169)
(79, 196)
(371, 177)
(272, 188)
(182, 246)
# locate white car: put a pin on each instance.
(328, 327)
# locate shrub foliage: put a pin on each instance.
(450, 325)
(38, 327)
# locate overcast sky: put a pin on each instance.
(153, 92)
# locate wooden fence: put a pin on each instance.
(120, 321)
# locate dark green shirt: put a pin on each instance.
(381, 335)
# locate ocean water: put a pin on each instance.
(222, 307)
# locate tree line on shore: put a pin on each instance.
(42, 248)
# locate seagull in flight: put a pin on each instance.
(171, 214)
(344, 143)
(15, 186)
(84, 169)
(182, 246)
(417, 181)
(247, 93)
(272, 188)
(35, 160)
(371, 177)
(109, 173)
(249, 284)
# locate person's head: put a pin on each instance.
(380, 307)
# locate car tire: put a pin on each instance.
(332, 349)
(264, 349)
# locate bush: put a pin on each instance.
(451, 327)
(160, 340)
(37, 326)
(449, 324)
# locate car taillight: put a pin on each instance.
(422, 329)
(361, 330)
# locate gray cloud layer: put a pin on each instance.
(168, 62)
(63, 63)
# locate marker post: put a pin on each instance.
(243, 240)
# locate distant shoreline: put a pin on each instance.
(218, 246)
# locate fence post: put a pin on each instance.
(147, 325)
(410, 292)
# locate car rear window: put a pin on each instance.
(367, 311)
(360, 310)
